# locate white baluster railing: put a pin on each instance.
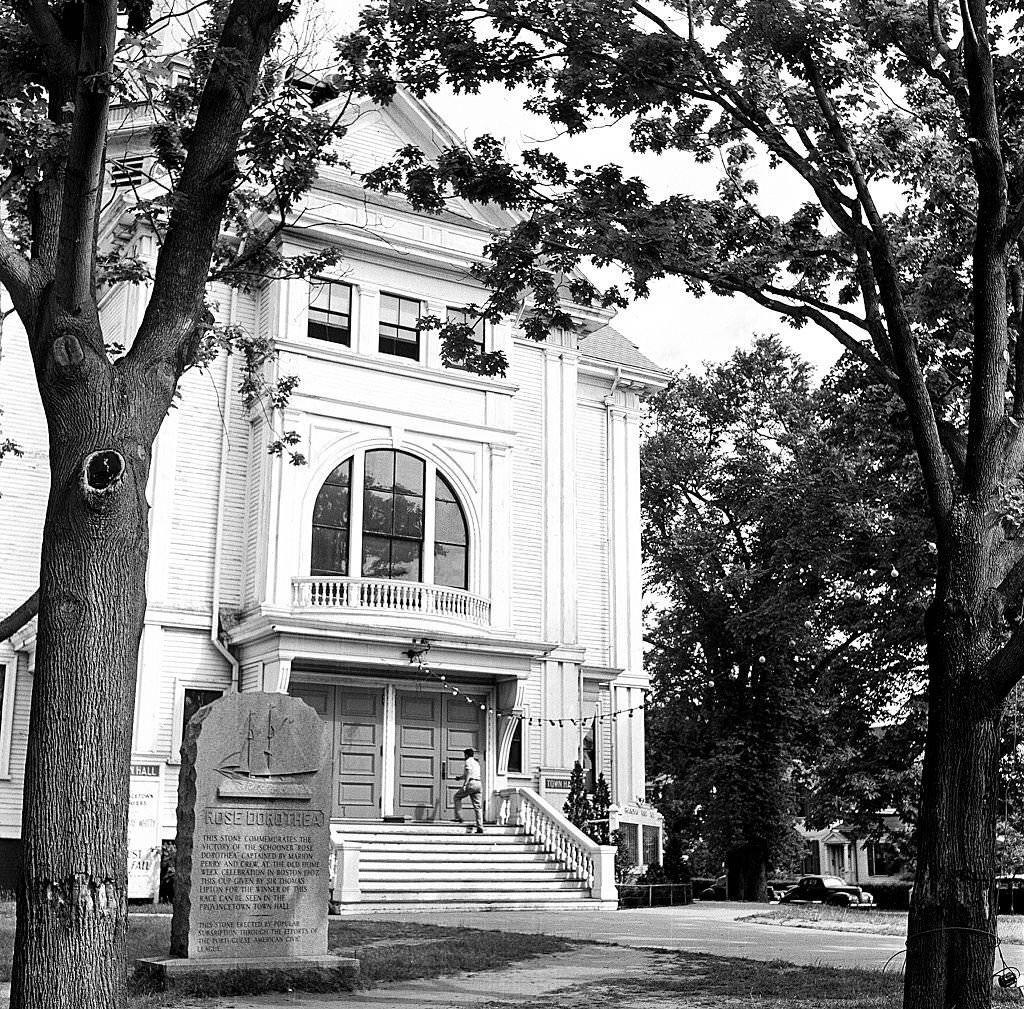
(382, 594)
(589, 861)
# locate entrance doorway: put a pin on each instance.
(357, 719)
(431, 732)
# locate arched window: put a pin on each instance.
(390, 539)
(450, 539)
(330, 523)
(393, 516)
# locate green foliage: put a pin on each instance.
(774, 518)
(602, 801)
(623, 862)
(577, 807)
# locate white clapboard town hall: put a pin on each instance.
(458, 564)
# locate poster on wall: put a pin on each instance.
(144, 832)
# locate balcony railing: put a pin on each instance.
(387, 596)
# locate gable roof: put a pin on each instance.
(609, 345)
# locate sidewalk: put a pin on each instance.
(524, 982)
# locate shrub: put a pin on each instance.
(168, 868)
(890, 896)
(654, 874)
(577, 808)
(623, 863)
(677, 865)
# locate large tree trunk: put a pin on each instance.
(70, 946)
(952, 926)
(747, 872)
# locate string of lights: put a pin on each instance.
(420, 648)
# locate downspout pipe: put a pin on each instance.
(218, 546)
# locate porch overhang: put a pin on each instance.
(277, 641)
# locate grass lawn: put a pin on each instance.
(696, 981)
(387, 950)
(841, 919)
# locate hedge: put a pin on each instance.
(890, 896)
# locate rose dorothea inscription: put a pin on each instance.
(253, 831)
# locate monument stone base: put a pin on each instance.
(311, 972)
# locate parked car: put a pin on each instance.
(825, 890)
(717, 892)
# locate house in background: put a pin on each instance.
(457, 565)
(837, 851)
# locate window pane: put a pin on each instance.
(457, 315)
(405, 560)
(409, 314)
(408, 516)
(409, 473)
(332, 334)
(329, 555)
(378, 512)
(320, 295)
(389, 309)
(331, 508)
(341, 475)
(449, 525)
(450, 565)
(376, 557)
(380, 469)
(407, 350)
(341, 298)
(442, 492)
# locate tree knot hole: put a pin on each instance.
(67, 352)
(101, 473)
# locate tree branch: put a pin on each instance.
(912, 384)
(17, 619)
(167, 332)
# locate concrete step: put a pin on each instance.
(545, 902)
(373, 891)
(422, 829)
(456, 900)
(449, 837)
(368, 876)
(478, 845)
(500, 858)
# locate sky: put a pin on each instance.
(672, 327)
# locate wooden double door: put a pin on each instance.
(415, 777)
(431, 732)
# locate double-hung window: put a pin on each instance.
(400, 326)
(330, 311)
(460, 315)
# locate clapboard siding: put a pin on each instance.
(593, 614)
(528, 491)
(196, 473)
(236, 482)
(369, 143)
(533, 735)
(11, 789)
(24, 485)
(190, 661)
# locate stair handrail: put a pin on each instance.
(582, 856)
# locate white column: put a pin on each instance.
(430, 341)
(355, 521)
(387, 763)
(429, 478)
(567, 471)
(618, 554)
(292, 308)
(499, 585)
(552, 617)
(288, 532)
(277, 675)
(366, 334)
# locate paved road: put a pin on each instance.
(705, 927)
